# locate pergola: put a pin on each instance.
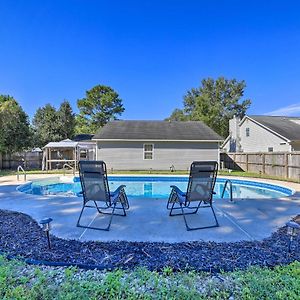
(61, 153)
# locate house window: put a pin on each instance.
(148, 151)
(247, 131)
(270, 149)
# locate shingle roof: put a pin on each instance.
(288, 127)
(67, 143)
(156, 130)
(82, 137)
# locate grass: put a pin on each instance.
(255, 175)
(7, 173)
(11, 172)
(158, 172)
(21, 281)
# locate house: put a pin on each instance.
(263, 134)
(157, 145)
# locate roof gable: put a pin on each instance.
(287, 127)
(157, 130)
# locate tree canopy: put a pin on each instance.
(100, 105)
(51, 125)
(15, 132)
(66, 120)
(215, 102)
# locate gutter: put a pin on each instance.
(155, 140)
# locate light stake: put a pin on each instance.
(46, 226)
(172, 168)
(293, 229)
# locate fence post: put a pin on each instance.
(234, 161)
(286, 159)
(264, 163)
(247, 159)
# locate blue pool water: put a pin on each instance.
(154, 187)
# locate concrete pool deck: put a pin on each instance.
(148, 219)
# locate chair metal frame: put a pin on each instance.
(111, 199)
(182, 198)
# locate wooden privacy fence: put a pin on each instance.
(29, 160)
(280, 164)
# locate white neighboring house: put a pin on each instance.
(263, 134)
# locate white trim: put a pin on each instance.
(151, 140)
(243, 120)
(219, 158)
(148, 152)
(265, 127)
(225, 141)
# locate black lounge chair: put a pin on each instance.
(200, 189)
(94, 183)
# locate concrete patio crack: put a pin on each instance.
(229, 218)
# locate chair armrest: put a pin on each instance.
(178, 190)
(118, 190)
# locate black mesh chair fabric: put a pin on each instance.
(202, 181)
(94, 181)
(95, 189)
(200, 189)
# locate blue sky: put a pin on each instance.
(150, 52)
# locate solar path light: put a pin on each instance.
(46, 227)
(293, 229)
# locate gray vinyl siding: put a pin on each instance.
(260, 139)
(128, 155)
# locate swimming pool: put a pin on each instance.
(154, 187)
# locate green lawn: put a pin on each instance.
(225, 173)
(6, 173)
(21, 281)
(10, 172)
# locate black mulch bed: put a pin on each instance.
(21, 236)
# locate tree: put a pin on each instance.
(215, 102)
(177, 115)
(46, 126)
(51, 125)
(15, 132)
(100, 105)
(66, 120)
